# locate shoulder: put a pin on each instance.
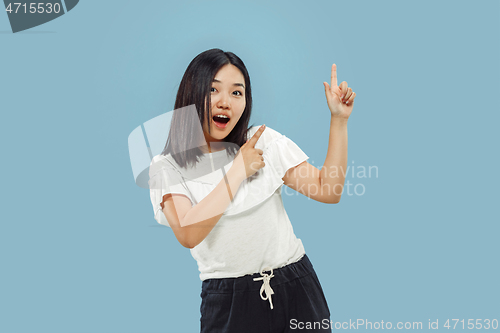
(268, 136)
(160, 162)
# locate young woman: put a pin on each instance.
(217, 184)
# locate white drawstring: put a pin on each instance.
(266, 287)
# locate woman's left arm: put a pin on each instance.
(326, 185)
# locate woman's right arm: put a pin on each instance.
(192, 224)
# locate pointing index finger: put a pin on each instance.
(334, 76)
(253, 140)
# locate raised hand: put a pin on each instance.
(250, 157)
(340, 99)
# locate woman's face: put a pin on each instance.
(227, 98)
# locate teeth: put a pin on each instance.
(221, 115)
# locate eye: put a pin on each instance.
(239, 92)
(212, 90)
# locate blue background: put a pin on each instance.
(79, 248)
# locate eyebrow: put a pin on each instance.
(234, 84)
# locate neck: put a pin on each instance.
(212, 147)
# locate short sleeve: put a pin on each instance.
(164, 179)
(281, 152)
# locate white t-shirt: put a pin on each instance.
(254, 232)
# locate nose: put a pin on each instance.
(223, 102)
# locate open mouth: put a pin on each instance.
(221, 120)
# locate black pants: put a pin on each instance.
(235, 305)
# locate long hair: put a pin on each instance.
(194, 88)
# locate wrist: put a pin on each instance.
(236, 174)
(336, 120)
